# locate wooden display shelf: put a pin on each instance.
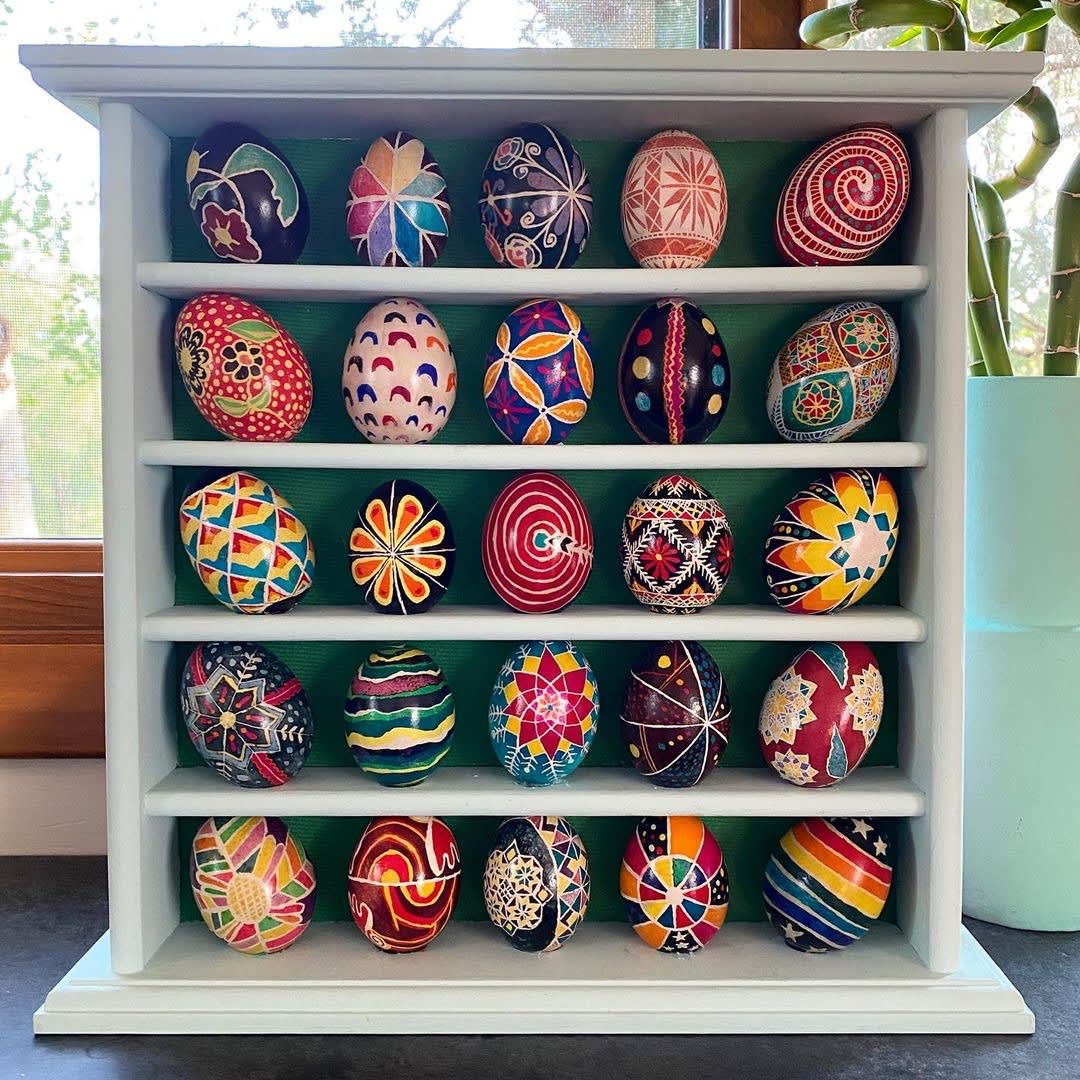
(593, 622)
(491, 792)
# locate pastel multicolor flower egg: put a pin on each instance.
(676, 546)
(399, 715)
(246, 713)
(398, 211)
(822, 713)
(674, 378)
(834, 373)
(827, 881)
(539, 375)
(243, 370)
(536, 199)
(844, 199)
(544, 709)
(831, 543)
(399, 380)
(676, 715)
(404, 879)
(536, 882)
(246, 543)
(674, 202)
(537, 545)
(252, 881)
(674, 883)
(401, 549)
(247, 200)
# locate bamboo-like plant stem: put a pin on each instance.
(1063, 312)
(995, 228)
(982, 300)
(1068, 11)
(834, 26)
(1045, 138)
(977, 366)
(1036, 40)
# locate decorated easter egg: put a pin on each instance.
(401, 549)
(399, 715)
(536, 882)
(673, 376)
(543, 712)
(674, 202)
(827, 881)
(674, 883)
(831, 543)
(242, 369)
(246, 543)
(247, 199)
(536, 199)
(246, 713)
(821, 713)
(537, 545)
(399, 380)
(539, 375)
(252, 881)
(403, 881)
(833, 373)
(676, 715)
(676, 546)
(844, 198)
(398, 211)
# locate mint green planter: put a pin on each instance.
(1022, 730)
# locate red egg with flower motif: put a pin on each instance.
(243, 370)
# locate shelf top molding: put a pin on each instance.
(493, 285)
(323, 92)
(312, 622)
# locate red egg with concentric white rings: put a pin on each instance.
(537, 543)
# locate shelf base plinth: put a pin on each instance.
(471, 982)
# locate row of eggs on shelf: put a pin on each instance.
(535, 201)
(255, 887)
(824, 552)
(249, 717)
(250, 380)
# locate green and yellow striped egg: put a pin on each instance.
(399, 717)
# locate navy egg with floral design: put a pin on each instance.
(536, 199)
(247, 200)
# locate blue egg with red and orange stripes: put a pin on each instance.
(399, 379)
(246, 713)
(827, 881)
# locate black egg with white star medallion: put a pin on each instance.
(246, 713)
(827, 881)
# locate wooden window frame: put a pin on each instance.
(766, 24)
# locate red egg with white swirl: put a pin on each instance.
(844, 199)
(537, 543)
(399, 378)
(404, 879)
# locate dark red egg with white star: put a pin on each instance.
(243, 370)
(246, 713)
(822, 713)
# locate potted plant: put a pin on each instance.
(1023, 505)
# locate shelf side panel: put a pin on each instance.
(140, 747)
(932, 547)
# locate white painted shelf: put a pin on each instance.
(453, 456)
(472, 979)
(597, 622)
(498, 285)
(491, 792)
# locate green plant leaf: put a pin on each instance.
(1032, 20)
(202, 189)
(232, 406)
(253, 330)
(909, 34)
(250, 157)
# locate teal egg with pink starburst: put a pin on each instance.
(539, 375)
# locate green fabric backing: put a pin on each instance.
(326, 500)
